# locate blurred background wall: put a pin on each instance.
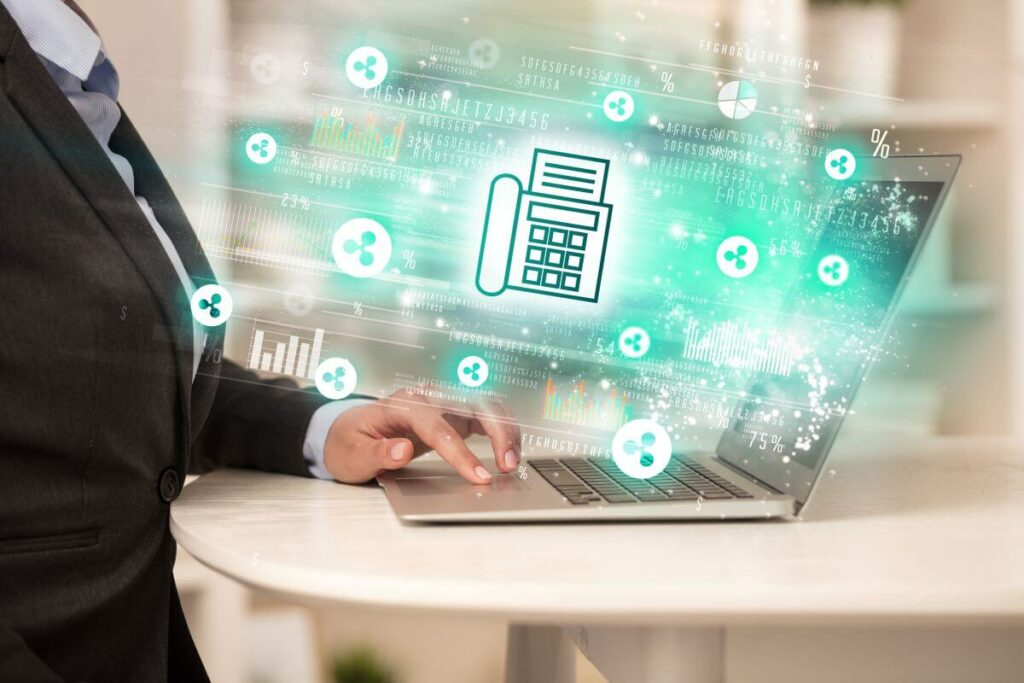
(955, 68)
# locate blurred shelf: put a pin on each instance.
(922, 114)
(948, 300)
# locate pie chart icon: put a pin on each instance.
(737, 99)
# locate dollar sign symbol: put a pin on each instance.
(807, 82)
(124, 313)
(305, 68)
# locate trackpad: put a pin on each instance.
(446, 485)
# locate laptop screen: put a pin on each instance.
(867, 239)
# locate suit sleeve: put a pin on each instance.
(254, 423)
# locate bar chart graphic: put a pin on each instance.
(736, 345)
(575, 406)
(285, 353)
(334, 133)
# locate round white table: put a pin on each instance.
(918, 535)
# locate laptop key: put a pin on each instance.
(641, 489)
(652, 498)
(544, 463)
(724, 495)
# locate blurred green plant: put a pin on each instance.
(361, 665)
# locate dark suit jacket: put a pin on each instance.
(99, 416)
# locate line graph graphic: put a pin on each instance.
(333, 132)
(275, 237)
(737, 345)
(577, 407)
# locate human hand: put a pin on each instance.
(388, 434)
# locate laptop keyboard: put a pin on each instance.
(597, 480)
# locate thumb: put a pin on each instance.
(393, 454)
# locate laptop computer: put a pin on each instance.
(769, 458)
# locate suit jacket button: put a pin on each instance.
(170, 485)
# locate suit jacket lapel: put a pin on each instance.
(60, 128)
(151, 184)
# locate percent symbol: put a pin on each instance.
(357, 307)
(667, 85)
(410, 259)
(878, 137)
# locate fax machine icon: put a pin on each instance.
(551, 239)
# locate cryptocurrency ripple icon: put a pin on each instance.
(336, 378)
(473, 371)
(737, 99)
(641, 449)
(265, 68)
(211, 305)
(261, 148)
(484, 53)
(618, 106)
(634, 342)
(737, 256)
(840, 164)
(366, 67)
(361, 247)
(833, 270)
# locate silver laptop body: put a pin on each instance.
(736, 481)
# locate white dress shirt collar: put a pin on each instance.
(56, 32)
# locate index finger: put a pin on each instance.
(428, 424)
(498, 426)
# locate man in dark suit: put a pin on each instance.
(111, 393)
